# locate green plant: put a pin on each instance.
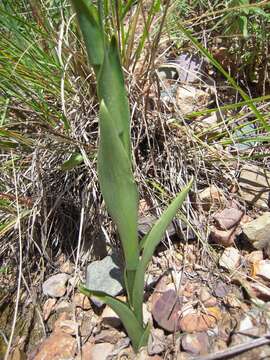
(115, 171)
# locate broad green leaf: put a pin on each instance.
(118, 186)
(152, 240)
(136, 332)
(111, 89)
(92, 34)
(74, 160)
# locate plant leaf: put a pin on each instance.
(92, 34)
(74, 160)
(152, 240)
(111, 89)
(136, 332)
(118, 186)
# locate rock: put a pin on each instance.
(228, 218)
(82, 301)
(100, 351)
(189, 98)
(261, 291)
(206, 298)
(55, 286)
(165, 310)
(17, 354)
(257, 232)
(222, 237)
(111, 336)
(221, 289)
(230, 259)
(64, 305)
(245, 324)
(86, 351)
(261, 269)
(255, 256)
(147, 317)
(110, 318)
(210, 197)
(199, 322)
(254, 186)
(196, 344)
(67, 267)
(88, 323)
(58, 346)
(105, 275)
(66, 326)
(48, 308)
(156, 342)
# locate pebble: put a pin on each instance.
(156, 342)
(48, 308)
(255, 256)
(82, 301)
(196, 344)
(210, 197)
(254, 186)
(261, 291)
(100, 351)
(55, 286)
(67, 267)
(228, 218)
(66, 326)
(261, 269)
(230, 259)
(222, 237)
(257, 232)
(110, 318)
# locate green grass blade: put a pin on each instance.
(111, 89)
(136, 332)
(213, 61)
(153, 238)
(118, 186)
(91, 31)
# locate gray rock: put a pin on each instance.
(105, 275)
(55, 286)
(257, 232)
(228, 218)
(254, 186)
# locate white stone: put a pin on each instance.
(55, 286)
(230, 258)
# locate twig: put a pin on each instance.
(237, 349)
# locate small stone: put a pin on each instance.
(222, 237)
(82, 301)
(55, 286)
(221, 289)
(197, 322)
(100, 351)
(254, 185)
(86, 351)
(206, 298)
(245, 324)
(67, 326)
(111, 336)
(196, 344)
(257, 232)
(189, 98)
(147, 317)
(230, 259)
(64, 305)
(58, 346)
(110, 318)
(105, 275)
(255, 256)
(156, 342)
(261, 291)
(228, 218)
(210, 197)
(48, 308)
(261, 269)
(67, 267)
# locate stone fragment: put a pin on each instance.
(257, 232)
(67, 267)
(108, 336)
(100, 351)
(110, 318)
(228, 218)
(86, 351)
(230, 259)
(210, 197)
(156, 342)
(66, 326)
(105, 275)
(196, 344)
(245, 324)
(48, 308)
(82, 301)
(255, 256)
(199, 322)
(206, 298)
(189, 98)
(222, 237)
(55, 286)
(165, 310)
(261, 269)
(58, 346)
(221, 289)
(261, 291)
(254, 186)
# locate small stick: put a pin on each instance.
(237, 349)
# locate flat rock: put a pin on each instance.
(254, 186)
(55, 286)
(196, 344)
(261, 291)
(230, 259)
(228, 218)
(100, 351)
(109, 317)
(261, 269)
(105, 275)
(58, 346)
(257, 232)
(222, 237)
